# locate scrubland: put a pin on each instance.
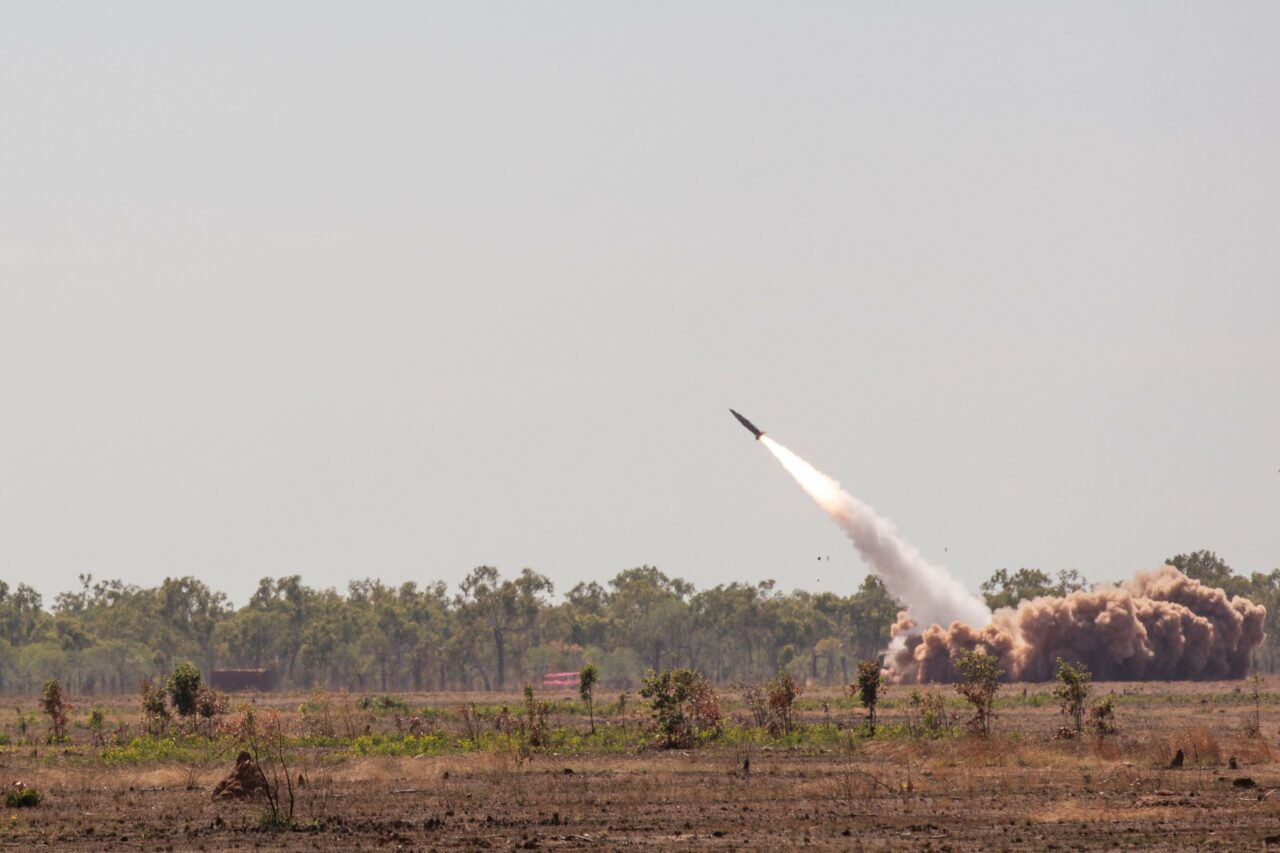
(474, 771)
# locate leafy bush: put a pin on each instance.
(317, 714)
(20, 796)
(56, 705)
(684, 707)
(210, 704)
(183, 687)
(97, 725)
(981, 680)
(780, 696)
(155, 714)
(383, 703)
(927, 715)
(535, 714)
(1102, 717)
(867, 690)
(1072, 691)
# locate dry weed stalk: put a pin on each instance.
(267, 746)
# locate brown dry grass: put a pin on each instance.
(1020, 790)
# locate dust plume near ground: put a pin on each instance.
(1161, 625)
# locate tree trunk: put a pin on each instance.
(500, 642)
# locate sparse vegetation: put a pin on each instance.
(57, 707)
(1102, 717)
(782, 691)
(183, 688)
(980, 679)
(535, 720)
(867, 689)
(1255, 693)
(474, 754)
(1072, 692)
(97, 724)
(21, 796)
(587, 678)
(684, 707)
(268, 745)
(209, 705)
(383, 703)
(155, 713)
(927, 715)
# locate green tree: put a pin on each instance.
(21, 614)
(1208, 568)
(1005, 590)
(1264, 589)
(871, 613)
(191, 611)
(650, 611)
(503, 609)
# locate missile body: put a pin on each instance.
(748, 424)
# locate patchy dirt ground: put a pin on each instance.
(1021, 790)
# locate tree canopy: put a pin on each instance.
(493, 632)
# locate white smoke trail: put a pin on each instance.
(931, 594)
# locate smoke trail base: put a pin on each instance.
(930, 593)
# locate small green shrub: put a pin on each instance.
(21, 796)
(209, 705)
(56, 705)
(155, 714)
(383, 703)
(273, 820)
(1102, 717)
(927, 715)
(981, 680)
(97, 726)
(867, 689)
(535, 719)
(1072, 691)
(684, 707)
(183, 687)
(317, 714)
(780, 695)
(587, 678)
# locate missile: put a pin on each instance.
(748, 424)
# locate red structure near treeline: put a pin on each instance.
(236, 680)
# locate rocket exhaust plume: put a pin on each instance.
(1160, 625)
(930, 593)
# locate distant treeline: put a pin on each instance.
(493, 633)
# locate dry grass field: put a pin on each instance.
(395, 776)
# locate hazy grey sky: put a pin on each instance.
(396, 290)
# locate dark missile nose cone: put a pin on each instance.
(748, 424)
